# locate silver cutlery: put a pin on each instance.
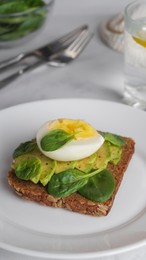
(67, 55)
(60, 58)
(46, 51)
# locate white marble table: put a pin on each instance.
(97, 73)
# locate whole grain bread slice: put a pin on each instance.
(75, 202)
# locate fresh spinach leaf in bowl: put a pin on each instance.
(19, 18)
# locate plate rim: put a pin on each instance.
(70, 99)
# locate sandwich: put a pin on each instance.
(71, 165)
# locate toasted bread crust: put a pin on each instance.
(75, 202)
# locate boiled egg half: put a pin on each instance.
(86, 140)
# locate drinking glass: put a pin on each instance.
(135, 54)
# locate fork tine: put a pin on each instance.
(63, 42)
(71, 52)
(80, 47)
(79, 39)
(79, 44)
(68, 38)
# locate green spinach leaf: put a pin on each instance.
(29, 168)
(55, 139)
(13, 7)
(35, 3)
(24, 148)
(31, 20)
(100, 187)
(112, 138)
(68, 182)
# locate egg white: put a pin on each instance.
(73, 150)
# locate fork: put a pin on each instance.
(58, 59)
(45, 51)
(69, 54)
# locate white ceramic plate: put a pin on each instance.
(32, 229)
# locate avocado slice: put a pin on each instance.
(103, 156)
(24, 158)
(116, 153)
(47, 169)
(86, 164)
(63, 166)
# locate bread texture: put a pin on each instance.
(75, 202)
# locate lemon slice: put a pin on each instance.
(142, 42)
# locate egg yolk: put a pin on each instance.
(80, 127)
